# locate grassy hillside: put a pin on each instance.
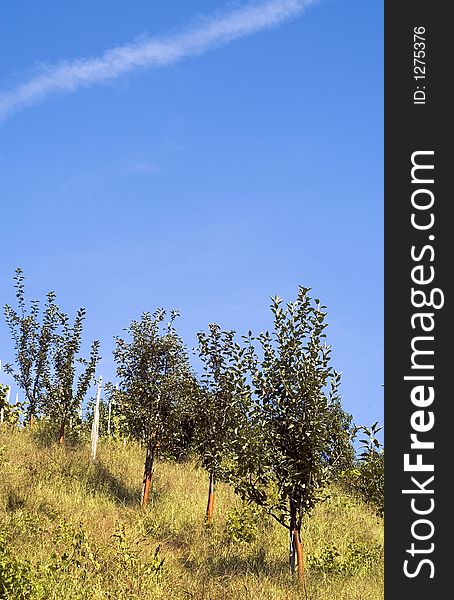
(69, 529)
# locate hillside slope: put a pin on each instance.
(71, 529)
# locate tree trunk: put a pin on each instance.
(32, 420)
(299, 556)
(296, 558)
(148, 473)
(292, 549)
(210, 504)
(61, 437)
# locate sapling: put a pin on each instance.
(295, 430)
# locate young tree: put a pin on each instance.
(65, 385)
(112, 421)
(33, 338)
(370, 481)
(9, 412)
(221, 406)
(296, 425)
(341, 453)
(154, 374)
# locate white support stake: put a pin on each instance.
(108, 417)
(95, 424)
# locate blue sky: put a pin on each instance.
(208, 183)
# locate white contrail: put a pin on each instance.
(208, 33)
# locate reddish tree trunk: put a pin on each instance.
(146, 489)
(61, 437)
(296, 547)
(148, 473)
(299, 556)
(210, 504)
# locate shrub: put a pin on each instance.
(370, 482)
(16, 576)
(359, 557)
(242, 524)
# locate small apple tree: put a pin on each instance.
(222, 406)
(295, 431)
(154, 378)
(65, 385)
(32, 335)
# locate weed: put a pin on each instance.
(16, 576)
(359, 557)
(242, 524)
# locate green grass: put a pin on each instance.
(71, 529)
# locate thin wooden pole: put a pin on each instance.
(110, 410)
(210, 503)
(95, 424)
(148, 474)
(296, 547)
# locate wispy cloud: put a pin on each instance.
(207, 33)
(146, 167)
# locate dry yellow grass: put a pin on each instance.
(75, 530)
